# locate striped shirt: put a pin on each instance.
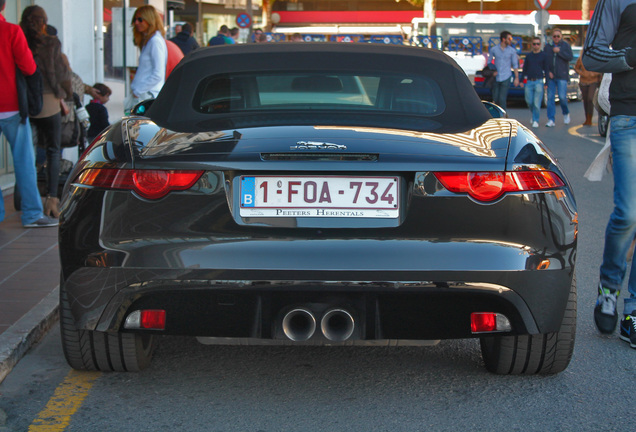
(610, 47)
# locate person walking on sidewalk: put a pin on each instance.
(47, 52)
(535, 69)
(506, 63)
(613, 24)
(559, 54)
(15, 53)
(588, 83)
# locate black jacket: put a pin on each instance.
(559, 63)
(29, 93)
(186, 42)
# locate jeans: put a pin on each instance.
(560, 86)
(500, 92)
(621, 227)
(534, 96)
(21, 143)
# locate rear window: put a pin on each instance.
(228, 93)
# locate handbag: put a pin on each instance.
(29, 93)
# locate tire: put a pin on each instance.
(98, 351)
(548, 353)
(603, 122)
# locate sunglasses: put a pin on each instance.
(536, 43)
(139, 19)
(556, 36)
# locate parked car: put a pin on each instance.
(275, 202)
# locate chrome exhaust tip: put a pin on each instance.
(337, 325)
(299, 325)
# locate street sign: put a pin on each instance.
(542, 4)
(243, 20)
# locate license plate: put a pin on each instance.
(319, 196)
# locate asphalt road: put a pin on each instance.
(192, 387)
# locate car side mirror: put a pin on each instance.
(142, 107)
(495, 110)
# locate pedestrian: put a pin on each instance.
(98, 112)
(559, 54)
(234, 35)
(506, 63)
(534, 71)
(148, 34)
(588, 83)
(256, 35)
(14, 123)
(610, 47)
(260, 38)
(221, 37)
(184, 39)
(47, 125)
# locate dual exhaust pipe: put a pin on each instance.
(336, 325)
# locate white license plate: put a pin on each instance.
(319, 196)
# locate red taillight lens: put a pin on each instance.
(488, 322)
(153, 319)
(488, 186)
(483, 322)
(151, 184)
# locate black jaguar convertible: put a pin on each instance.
(310, 193)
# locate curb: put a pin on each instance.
(27, 331)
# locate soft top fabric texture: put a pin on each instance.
(174, 110)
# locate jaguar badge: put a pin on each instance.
(315, 145)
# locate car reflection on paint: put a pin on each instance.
(346, 194)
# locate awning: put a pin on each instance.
(176, 4)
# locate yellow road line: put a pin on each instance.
(66, 400)
(573, 130)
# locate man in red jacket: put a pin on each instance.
(15, 54)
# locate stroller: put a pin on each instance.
(74, 127)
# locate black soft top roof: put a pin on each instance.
(174, 109)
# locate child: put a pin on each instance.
(98, 112)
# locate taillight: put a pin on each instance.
(151, 319)
(488, 322)
(151, 184)
(488, 186)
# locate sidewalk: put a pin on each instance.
(29, 280)
(30, 272)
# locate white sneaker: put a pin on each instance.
(535, 124)
(550, 123)
(566, 119)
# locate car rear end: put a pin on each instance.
(343, 227)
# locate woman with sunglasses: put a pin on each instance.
(148, 34)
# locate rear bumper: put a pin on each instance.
(237, 304)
